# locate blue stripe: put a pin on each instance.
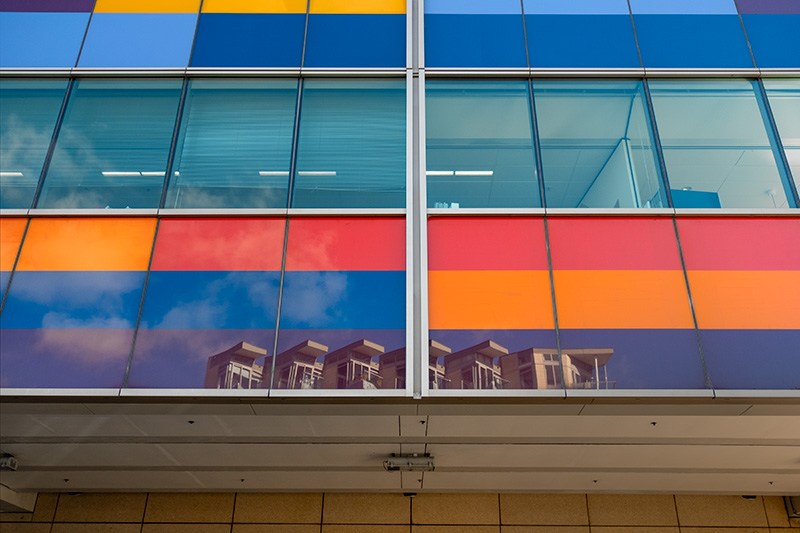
(473, 7)
(356, 41)
(775, 40)
(683, 7)
(474, 41)
(41, 39)
(576, 7)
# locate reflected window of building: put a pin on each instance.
(113, 145)
(597, 145)
(480, 144)
(351, 145)
(716, 145)
(235, 144)
(784, 99)
(28, 113)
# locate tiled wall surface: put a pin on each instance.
(396, 513)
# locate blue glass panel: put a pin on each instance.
(773, 39)
(41, 40)
(600, 41)
(474, 41)
(113, 145)
(351, 147)
(235, 144)
(576, 7)
(139, 40)
(692, 41)
(480, 144)
(714, 140)
(28, 113)
(355, 41)
(784, 99)
(752, 359)
(683, 7)
(597, 145)
(249, 40)
(5, 275)
(473, 7)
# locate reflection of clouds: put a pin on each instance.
(192, 344)
(313, 297)
(65, 321)
(103, 291)
(313, 249)
(224, 195)
(85, 347)
(22, 147)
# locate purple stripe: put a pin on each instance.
(769, 7)
(44, 6)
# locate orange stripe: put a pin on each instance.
(746, 299)
(147, 6)
(489, 299)
(88, 244)
(616, 299)
(11, 231)
(367, 7)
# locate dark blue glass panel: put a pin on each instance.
(355, 41)
(113, 145)
(752, 359)
(28, 113)
(474, 41)
(235, 144)
(351, 147)
(774, 40)
(41, 40)
(692, 41)
(249, 40)
(581, 41)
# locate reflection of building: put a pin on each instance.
(352, 367)
(235, 368)
(539, 368)
(393, 367)
(436, 371)
(297, 367)
(474, 368)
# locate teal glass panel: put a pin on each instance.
(716, 146)
(235, 144)
(479, 148)
(784, 99)
(28, 114)
(597, 145)
(351, 146)
(113, 145)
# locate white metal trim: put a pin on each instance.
(14, 212)
(422, 246)
(193, 393)
(378, 211)
(50, 393)
(411, 210)
(792, 211)
(757, 394)
(502, 393)
(337, 393)
(702, 72)
(486, 211)
(91, 212)
(702, 394)
(632, 211)
(169, 212)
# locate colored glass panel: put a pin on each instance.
(56, 6)
(472, 7)
(254, 6)
(692, 41)
(147, 6)
(597, 145)
(28, 113)
(715, 144)
(11, 232)
(683, 7)
(351, 146)
(784, 100)
(355, 41)
(358, 6)
(474, 40)
(235, 144)
(575, 7)
(479, 144)
(768, 7)
(772, 39)
(41, 40)
(113, 145)
(249, 40)
(153, 40)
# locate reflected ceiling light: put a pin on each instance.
(273, 172)
(128, 174)
(438, 172)
(316, 173)
(10, 174)
(474, 172)
(157, 174)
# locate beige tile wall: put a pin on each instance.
(395, 513)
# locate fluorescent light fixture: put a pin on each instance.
(120, 174)
(438, 172)
(316, 173)
(273, 172)
(159, 174)
(409, 463)
(474, 172)
(10, 174)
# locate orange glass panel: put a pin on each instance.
(617, 299)
(11, 232)
(366, 7)
(746, 299)
(147, 6)
(254, 6)
(88, 244)
(507, 299)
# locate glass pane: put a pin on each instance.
(480, 144)
(351, 148)
(235, 144)
(113, 145)
(597, 145)
(28, 114)
(715, 145)
(784, 99)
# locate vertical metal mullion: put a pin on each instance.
(789, 185)
(173, 144)
(657, 142)
(51, 148)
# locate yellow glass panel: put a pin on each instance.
(88, 244)
(254, 6)
(11, 232)
(147, 6)
(356, 7)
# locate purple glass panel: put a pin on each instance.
(769, 7)
(53, 6)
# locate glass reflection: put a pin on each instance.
(235, 144)
(480, 144)
(597, 145)
(716, 146)
(113, 145)
(28, 113)
(784, 99)
(351, 147)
